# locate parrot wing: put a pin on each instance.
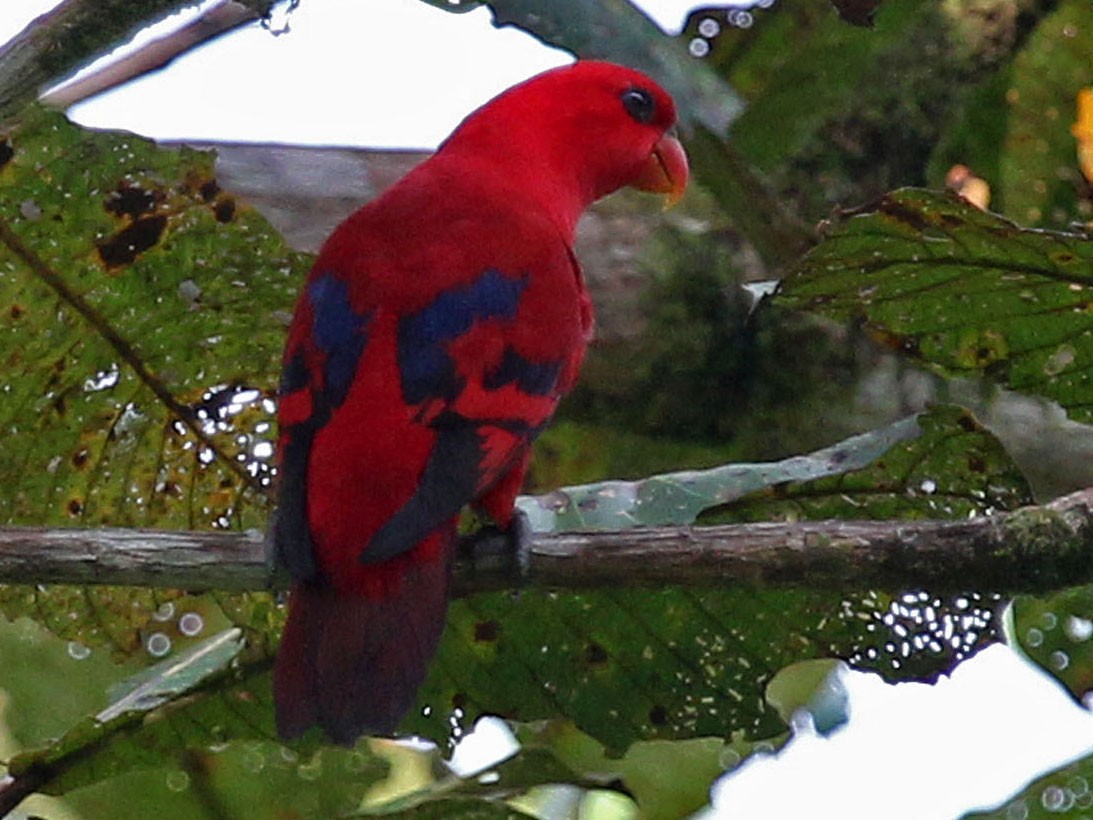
(462, 381)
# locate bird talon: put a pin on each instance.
(493, 549)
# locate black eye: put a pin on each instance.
(639, 104)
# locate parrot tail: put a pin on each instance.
(352, 663)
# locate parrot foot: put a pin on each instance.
(492, 549)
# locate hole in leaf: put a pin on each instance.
(595, 654)
(126, 245)
(658, 716)
(130, 200)
(224, 209)
(487, 631)
(209, 190)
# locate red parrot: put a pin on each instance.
(437, 331)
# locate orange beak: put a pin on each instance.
(665, 171)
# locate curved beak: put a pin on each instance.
(665, 171)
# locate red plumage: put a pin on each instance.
(439, 327)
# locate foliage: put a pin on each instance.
(142, 311)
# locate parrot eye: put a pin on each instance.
(639, 104)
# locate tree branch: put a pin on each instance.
(63, 40)
(1030, 549)
(157, 54)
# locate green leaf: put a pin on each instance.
(116, 617)
(627, 665)
(668, 779)
(953, 468)
(215, 696)
(801, 68)
(940, 464)
(1056, 633)
(1039, 178)
(168, 680)
(678, 498)
(100, 744)
(962, 291)
(814, 687)
(459, 808)
(143, 314)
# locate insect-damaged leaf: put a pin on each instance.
(140, 332)
(962, 291)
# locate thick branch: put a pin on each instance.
(1029, 549)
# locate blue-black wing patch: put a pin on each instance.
(533, 378)
(341, 335)
(426, 368)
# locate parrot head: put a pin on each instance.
(578, 133)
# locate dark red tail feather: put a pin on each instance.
(353, 664)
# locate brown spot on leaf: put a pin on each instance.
(224, 209)
(80, 458)
(208, 190)
(902, 213)
(127, 244)
(16, 311)
(857, 12)
(976, 463)
(7, 151)
(487, 631)
(595, 654)
(131, 200)
(893, 341)
(459, 700)
(967, 423)
(75, 506)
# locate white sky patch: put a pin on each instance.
(490, 742)
(671, 15)
(347, 73)
(917, 751)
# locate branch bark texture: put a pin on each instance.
(1030, 549)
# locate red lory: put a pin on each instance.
(436, 333)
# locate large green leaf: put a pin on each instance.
(953, 468)
(802, 67)
(143, 311)
(679, 498)
(939, 464)
(962, 291)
